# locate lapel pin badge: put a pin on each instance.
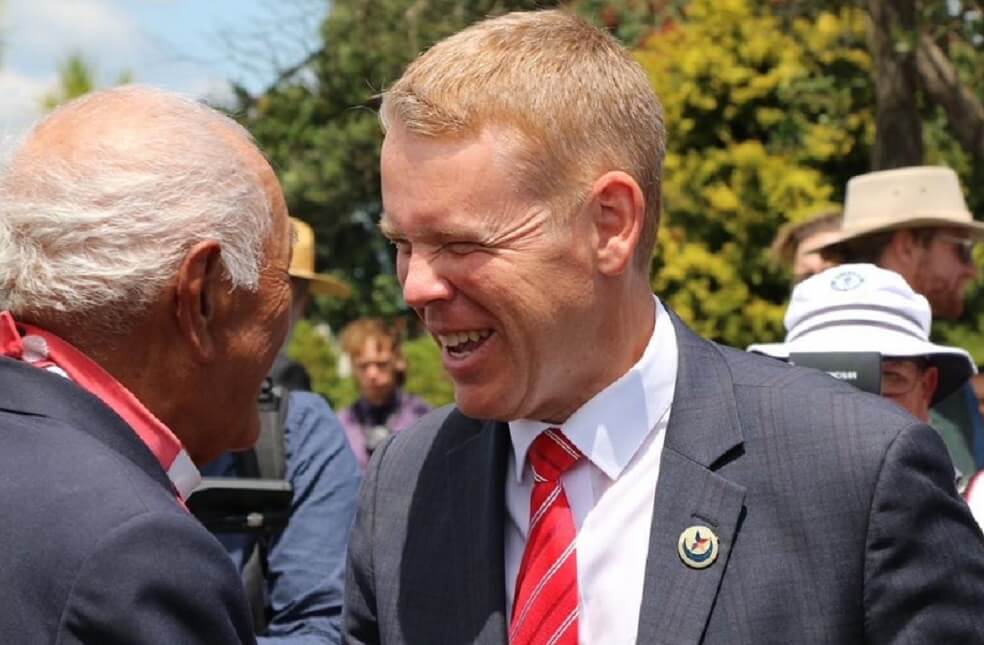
(698, 547)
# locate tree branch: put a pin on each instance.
(940, 81)
(898, 133)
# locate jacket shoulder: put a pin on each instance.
(189, 594)
(82, 495)
(816, 393)
(437, 428)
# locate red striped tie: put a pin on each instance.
(545, 607)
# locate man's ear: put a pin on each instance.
(906, 252)
(196, 293)
(618, 219)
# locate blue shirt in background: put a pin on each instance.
(307, 560)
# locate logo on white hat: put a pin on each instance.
(846, 281)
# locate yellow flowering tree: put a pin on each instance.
(767, 118)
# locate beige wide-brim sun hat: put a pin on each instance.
(302, 264)
(914, 197)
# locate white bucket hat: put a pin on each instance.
(863, 308)
(914, 197)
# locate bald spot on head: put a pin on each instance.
(124, 123)
(128, 174)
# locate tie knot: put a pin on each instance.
(551, 455)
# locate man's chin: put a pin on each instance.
(479, 405)
(246, 438)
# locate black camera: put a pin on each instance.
(860, 369)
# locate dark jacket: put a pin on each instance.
(94, 546)
(836, 512)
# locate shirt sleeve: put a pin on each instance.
(307, 560)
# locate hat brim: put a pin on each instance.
(324, 285)
(929, 220)
(955, 365)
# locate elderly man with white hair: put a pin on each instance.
(144, 292)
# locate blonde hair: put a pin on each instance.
(578, 103)
(359, 332)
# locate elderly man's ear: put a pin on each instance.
(619, 211)
(198, 294)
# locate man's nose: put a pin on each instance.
(423, 283)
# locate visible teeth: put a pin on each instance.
(459, 338)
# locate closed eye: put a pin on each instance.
(402, 246)
(463, 248)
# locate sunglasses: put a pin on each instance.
(964, 246)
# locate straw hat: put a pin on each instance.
(792, 235)
(863, 308)
(914, 197)
(302, 264)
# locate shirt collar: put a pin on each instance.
(612, 425)
(47, 351)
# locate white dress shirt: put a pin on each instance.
(620, 431)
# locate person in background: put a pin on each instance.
(797, 245)
(383, 408)
(914, 221)
(862, 308)
(305, 282)
(144, 246)
(295, 578)
(605, 475)
(978, 384)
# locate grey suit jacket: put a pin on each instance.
(836, 513)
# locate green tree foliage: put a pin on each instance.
(765, 125)
(319, 355)
(425, 375)
(76, 76)
(770, 109)
(631, 21)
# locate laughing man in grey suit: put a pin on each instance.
(607, 476)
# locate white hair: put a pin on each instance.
(97, 234)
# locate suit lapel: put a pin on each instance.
(476, 479)
(703, 429)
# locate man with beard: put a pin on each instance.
(914, 221)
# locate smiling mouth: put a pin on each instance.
(463, 343)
